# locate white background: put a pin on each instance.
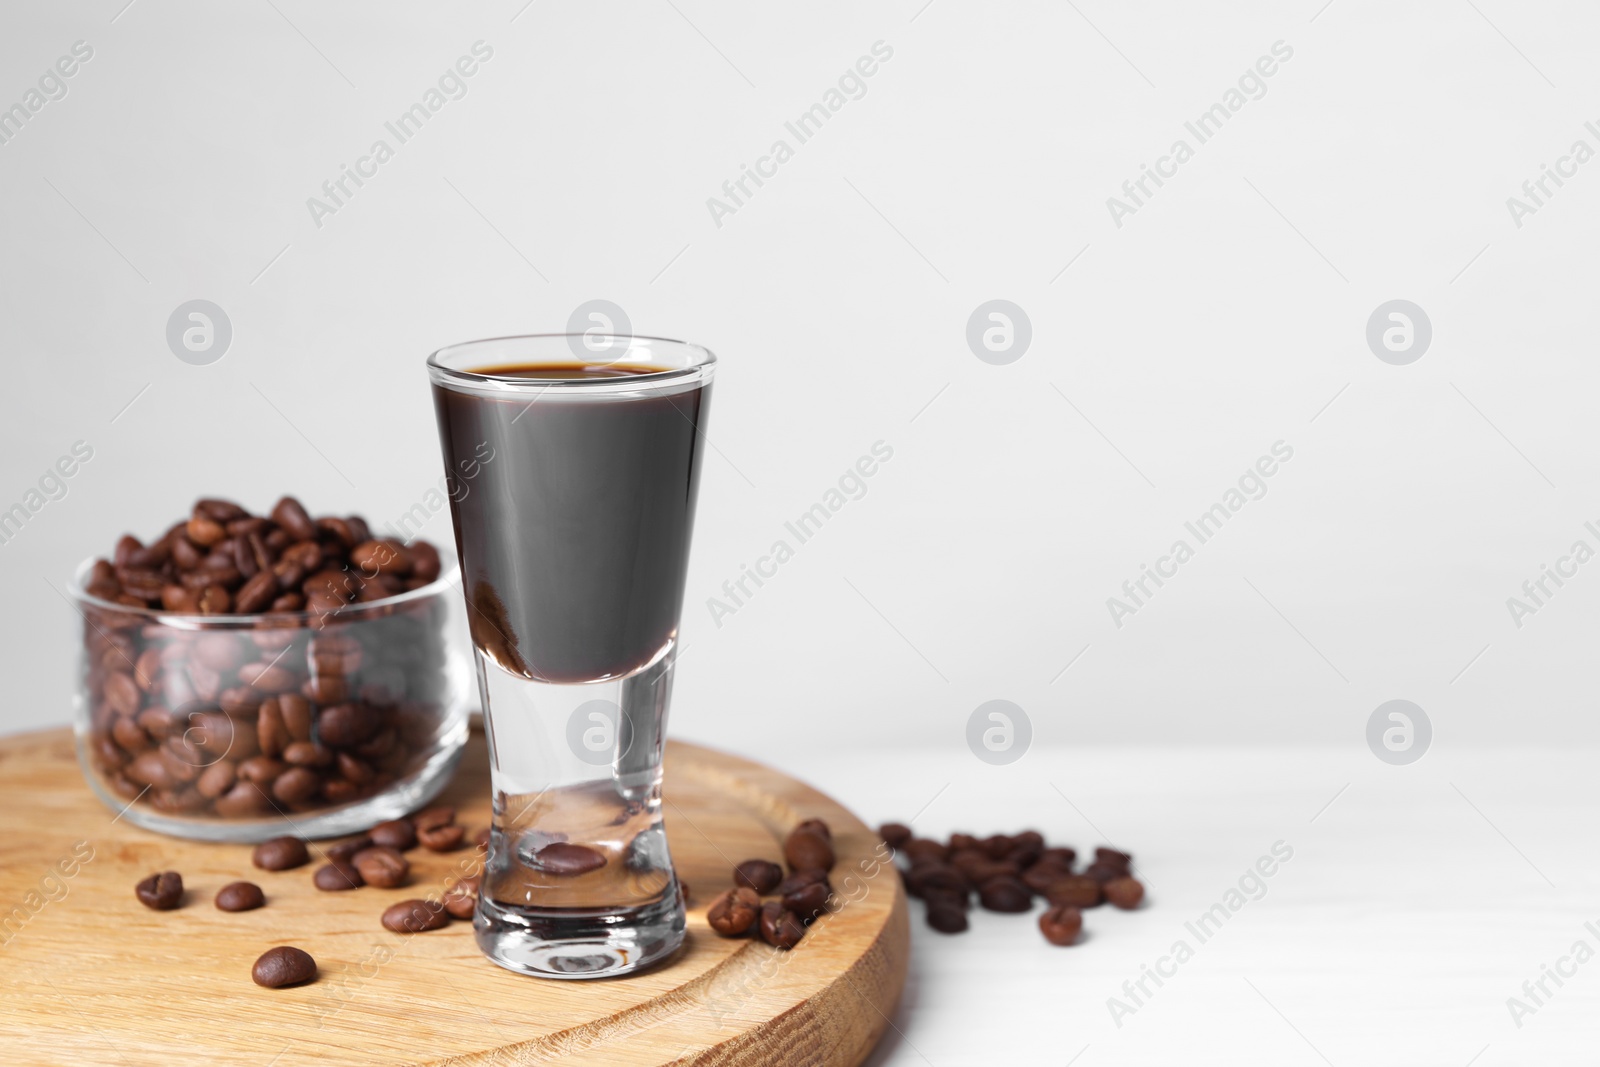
(1167, 354)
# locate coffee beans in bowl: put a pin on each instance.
(240, 668)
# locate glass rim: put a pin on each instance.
(358, 610)
(700, 365)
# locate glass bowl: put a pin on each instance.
(246, 727)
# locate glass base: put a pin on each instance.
(569, 943)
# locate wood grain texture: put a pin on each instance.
(89, 975)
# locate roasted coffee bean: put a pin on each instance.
(808, 902)
(289, 514)
(130, 735)
(415, 916)
(340, 530)
(121, 692)
(959, 841)
(182, 758)
(949, 898)
(1105, 872)
(147, 668)
(1030, 839)
(919, 848)
(1124, 893)
(817, 826)
(807, 848)
(156, 721)
(335, 654)
(565, 859)
(349, 847)
(144, 585)
(397, 834)
(1041, 876)
(262, 770)
(180, 801)
(978, 867)
(947, 919)
(107, 750)
(381, 557)
(280, 854)
(257, 593)
(425, 562)
(148, 768)
(271, 734)
(357, 772)
(296, 784)
(240, 896)
(185, 553)
(337, 875)
(801, 879)
(432, 818)
(1061, 924)
(219, 510)
(381, 866)
(380, 747)
(734, 912)
(1022, 857)
(779, 927)
(127, 545)
(283, 966)
(215, 600)
(268, 677)
(339, 791)
(344, 725)
(163, 891)
(1113, 857)
(1076, 890)
(307, 754)
(925, 877)
(243, 800)
(1064, 857)
(441, 838)
(762, 876)
(997, 846)
(296, 712)
(461, 900)
(894, 834)
(216, 779)
(240, 700)
(1005, 894)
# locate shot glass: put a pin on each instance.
(574, 545)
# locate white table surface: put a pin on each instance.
(1416, 903)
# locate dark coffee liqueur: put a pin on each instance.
(599, 492)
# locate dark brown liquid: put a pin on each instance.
(574, 535)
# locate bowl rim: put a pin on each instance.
(449, 576)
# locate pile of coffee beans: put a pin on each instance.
(323, 697)
(802, 897)
(223, 560)
(1007, 872)
(374, 858)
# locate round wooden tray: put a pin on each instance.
(90, 975)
